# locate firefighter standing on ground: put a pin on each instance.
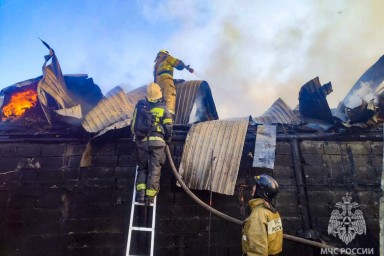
(262, 230)
(151, 148)
(163, 75)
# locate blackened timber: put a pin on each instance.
(181, 131)
(299, 176)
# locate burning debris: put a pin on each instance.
(49, 99)
(19, 103)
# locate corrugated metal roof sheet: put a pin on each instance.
(51, 85)
(116, 109)
(189, 94)
(134, 96)
(113, 108)
(367, 83)
(53, 82)
(221, 140)
(186, 95)
(278, 113)
(72, 112)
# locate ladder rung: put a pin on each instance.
(137, 203)
(142, 229)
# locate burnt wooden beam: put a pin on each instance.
(299, 176)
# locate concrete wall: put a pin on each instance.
(50, 206)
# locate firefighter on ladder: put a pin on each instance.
(151, 148)
(262, 230)
(163, 75)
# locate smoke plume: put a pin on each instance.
(252, 52)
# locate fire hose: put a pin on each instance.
(234, 220)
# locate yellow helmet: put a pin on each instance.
(154, 92)
(164, 51)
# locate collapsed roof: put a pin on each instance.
(361, 107)
(193, 97)
(278, 113)
(76, 100)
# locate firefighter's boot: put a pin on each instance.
(140, 196)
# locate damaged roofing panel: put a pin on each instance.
(367, 84)
(198, 94)
(313, 103)
(84, 91)
(55, 94)
(113, 108)
(53, 83)
(134, 96)
(278, 113)
(71, 112)
(212, 153)
(186, 95)
(362, 113)
(189, 94)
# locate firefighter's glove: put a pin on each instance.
(189, 68)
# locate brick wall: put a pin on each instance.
(51, 206)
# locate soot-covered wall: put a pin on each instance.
(51, 206)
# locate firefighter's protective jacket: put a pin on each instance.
(262, 230)
(164, 66)
(162, 126)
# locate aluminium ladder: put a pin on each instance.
(141, 229)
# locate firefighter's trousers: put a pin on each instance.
(169, 92)
(150, 161)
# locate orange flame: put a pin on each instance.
(19, 103)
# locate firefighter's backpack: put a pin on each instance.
(145, 120)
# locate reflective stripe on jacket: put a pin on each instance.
(262, 230)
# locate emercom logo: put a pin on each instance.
(347, 251)
(346, 221)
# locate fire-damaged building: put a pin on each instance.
(68, 166)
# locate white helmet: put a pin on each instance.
(154, 92)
